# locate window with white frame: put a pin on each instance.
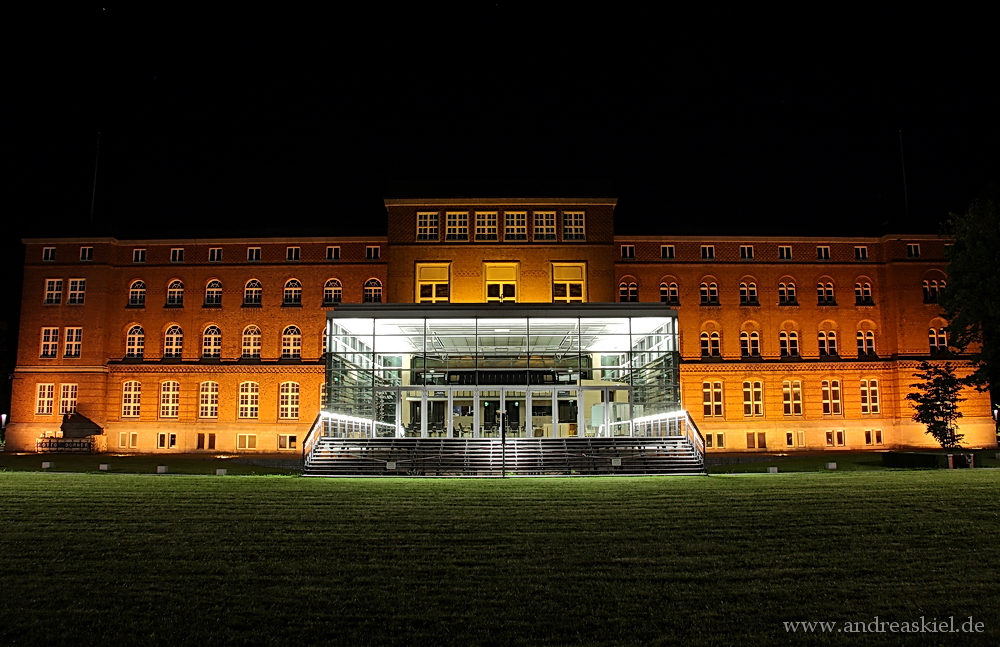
(784, 252)
(709, 294)
(137, 294)
(748, 294)
(287, 441)
(211, 345)
(753, 399)
(573, 225)
(53, 292)
(253, 254)
(251, 342)
(293, 254)
(213, 293)
(457, 225)
(246, 441)
(869, 397)
(48, 254)
(333, 253)
(45, 397)
(77, 292)
(827, 343)
(863, 294)
(669, 293)
(291, 343)
(515, 225)
(860, 253)
(711, 344)
(427, 225)
(836, 438)
(746, 252)
(173, 342)
(249, 406)
(822, 252)
(332, 292)
(50, 343)
(788, 343)
(628, 291)
(433, 284)
(711, 394)
(873, 436)
(128, 439)
(708, 252)
(177, 255)
(786, 294)
(756, 440)
(913, 250)
(131, 399)
(667, 252)
(825, 295)
(373, 252)
(288, 401)
(486, 225)
(175, 294)
(569, 282)
(750, 344)
(293, 293)
(138, 255)
(628, 252)
(866, 342)
(545, 225)
(831, 397)
(938, 339)
(67, 400)
(791, 397)
(166, 440)
(74, 342)
(208, 400)
(135, 342)
(214, 254)
(372, 291)
(253, 292)
(170, 399)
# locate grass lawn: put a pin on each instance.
(846, 461)
(137, 463)
(118, 559)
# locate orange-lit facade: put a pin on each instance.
(189, 345)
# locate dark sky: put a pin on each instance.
(283, 123)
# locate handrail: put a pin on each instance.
(310, 440)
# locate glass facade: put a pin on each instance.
(456, 371)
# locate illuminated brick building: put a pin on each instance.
(218, 345)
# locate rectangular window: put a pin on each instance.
(568, 282)
(333, 253)
(785, 252)
(831, 398)
(293, 253)
(246, 441)
(206, 441)
(756, 440)
(288, 401)
(791, 397)
(432, 283)
(166, 440)
(128, 440)
(628, 251)
(486, 225)
(45, 399)
(253, 254)
(287, 441)
(131, 397)
(753, 399)
(50, 342)
(712, 399)
(861, 253)
(746, 252)
(86, 254)
(208, 405)
(573, 225)
(373, 252)
(49, 254)
(913, 250)
(177, 255)
(822, 253)
(67, 401)
(707, 252)
(53, 292)
(214, 254)
(873, 436)
(515, 225)
(427, 225)
(545, 225)
(138, 256)
(77, 290)
(667, 252)
(720, 441)
(74, 342)
(170, 399)
(458, 225)
(869, 397)
(249, 400)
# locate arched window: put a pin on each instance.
(669, 293)
(827, 343)
(208, 400)
(211, 345)
(213, 293)
(824, 294)
(293, 293)
(249, 406)
(750, 344)
(373, 291)
(748, 294)
(628, 292)
(711, 344)
(709, 294)
(131, 397)
(170, 399)
(135, 342)
(332, 292)
(288, 403)
(173, 342)
(938, 340)
(252, 293)
(789, 343)
(863, 294)
(786, 294)
(866, 342)
(251, 342)
(137, 294)
(175, 294)
(291, 343)
(932, 290)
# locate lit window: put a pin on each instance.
(788, 343)
(288, 404)
(249, 400)
(212, 342)
(208, 400)
(213, 293)
(53, 292)
(748, 294)
(251, 342)
(573, 225)
(913, 250)
(628, 292)
(712, 399)
(753, 399)
(333, 253)
(628, 251)
(74, 342)
(750, 344)
(373, 291)
(131, 399)
(746, 252)
(170, 399)
(372, 252)
(332, 292)
(822, 253)
(173, 342)
(861, 253)
(824, 294)
(291, 343)
(545, 225)
(45, 399)
(137, 294)
(175, 294)
(568, 282)
(86, 254)
(246, 441)
(177, 255)
(707, 252)
(293, 253)
(669, 293)
(486, 225)
(515, 225)
(214, 254)
(869, 397)
(785, 252)
(791, 397)
(50, 342)
(866, 342)
(786, 294)
(293, 293)
(253, 254)
(138, 256)
(67, 401)
(427, 225)
(458, 225)
(77, 291)
(831, 397)
(49, 254)
(135, 342)
(252, 293)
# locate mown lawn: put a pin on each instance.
(114, 559)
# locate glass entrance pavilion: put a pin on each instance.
(513, 370)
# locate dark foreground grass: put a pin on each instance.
(137, 464)
(106, 559)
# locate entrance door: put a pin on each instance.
(609, 411)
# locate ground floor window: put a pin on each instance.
(45, 400)
(246, 441)
(715, 440)
(128, 439)
(287, 441)
(836, 438)
(795, 439)
(206, 441)
(873, 436)
(67, 403)
(756, 440)
(166, 440)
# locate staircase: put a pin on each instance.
(489, 457)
